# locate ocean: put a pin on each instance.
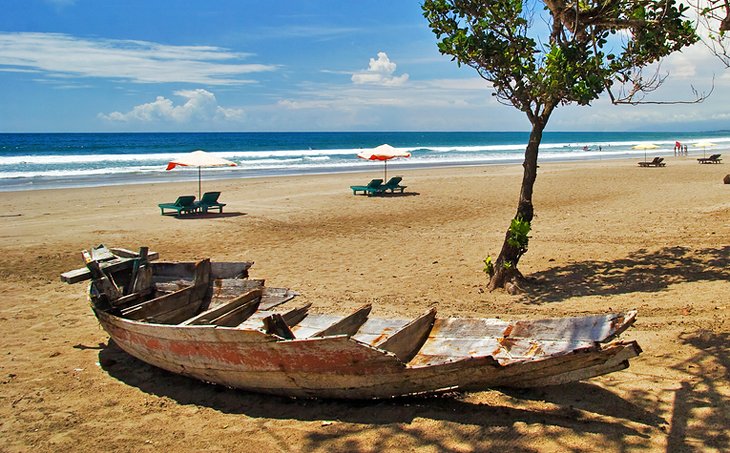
(30, 161)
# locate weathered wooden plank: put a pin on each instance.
(453, 339)
(237, 315)
(313, 323)
(101, 253)
(406, 342)
(158, 305)
(348, 325)
(273, 297)
(111, 265)
(223, 290)
(176, 315)
(290, 317)
(230, 270)
(614, 361)
(294, 316)
(169, 287)
(274, 324)
(209, 315)
(586, 328)
(375, 330)
(124, 253)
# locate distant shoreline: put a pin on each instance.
(213, 174)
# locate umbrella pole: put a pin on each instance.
(385, 175)
(198, 183)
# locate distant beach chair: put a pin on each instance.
(210, 201)
(184, 204)
(714, 159)
(657, 162)
(393, 184)
(374, 187)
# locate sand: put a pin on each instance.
(608, 236)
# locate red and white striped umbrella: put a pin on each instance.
(200, 159)
(384, 153)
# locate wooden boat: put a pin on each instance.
(210, 321)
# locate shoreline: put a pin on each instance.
(216, 174)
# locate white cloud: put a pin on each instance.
(201, 106)
(137, 61)
(379, 72)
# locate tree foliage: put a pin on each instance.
(587, 46)
(540, 55)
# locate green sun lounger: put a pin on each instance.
(393, 184)
(183, 205)
(374, 187)
(210, 201)
(657, 162)
(714, 159)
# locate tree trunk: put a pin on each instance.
(505, 268)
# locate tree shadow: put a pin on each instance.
(392, 416)
(398, 194)
(699, 416)
(591, 398)
(641, 271)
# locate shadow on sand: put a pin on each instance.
(449, 407)
(208, 215)
(642, 271)
(700, 418)
(390, 195)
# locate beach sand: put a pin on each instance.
(608, 236)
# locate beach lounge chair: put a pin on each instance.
(393, 184)
(183, 205)
(210, 201)
(714, 159)
(657, 162)
(374, 187)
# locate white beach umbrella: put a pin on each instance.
(645, 146)
(385, 153)
(704, 145)
(200, 159)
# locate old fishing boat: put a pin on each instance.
(210, 321)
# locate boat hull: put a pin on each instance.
(339, 367)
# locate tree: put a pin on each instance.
(571, 53)
(713, 17)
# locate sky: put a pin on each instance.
(281, 65)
